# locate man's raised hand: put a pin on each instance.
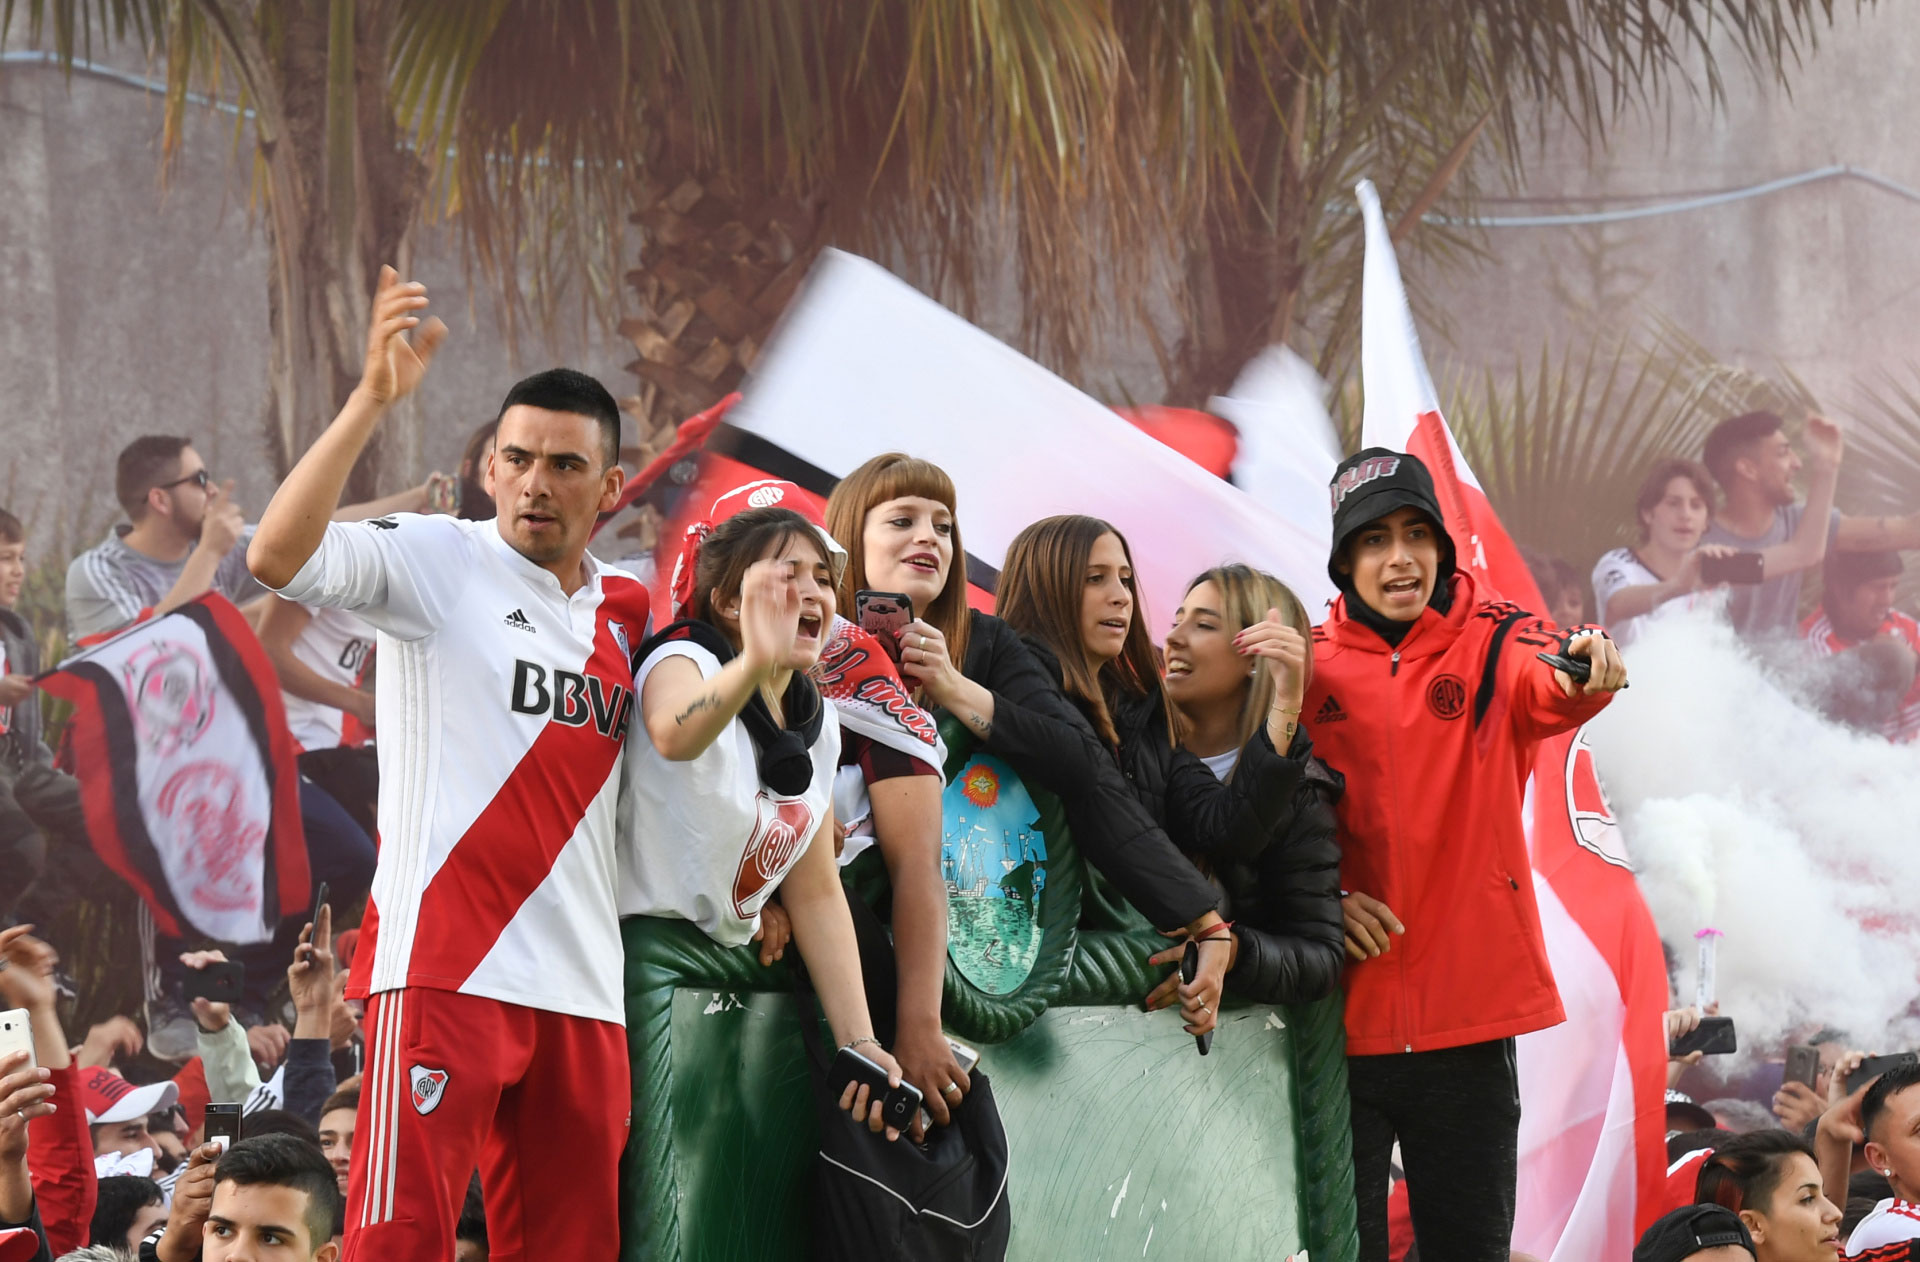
(395, 365)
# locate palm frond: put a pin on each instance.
(1561, 447)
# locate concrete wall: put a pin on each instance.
(129, 307)
(1824, 278)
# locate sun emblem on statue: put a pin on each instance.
(981, 786)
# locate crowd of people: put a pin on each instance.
(541, 751)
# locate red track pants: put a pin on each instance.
(537, 1101)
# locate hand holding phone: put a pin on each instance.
(1803, 1064)
(851, 1071)
(216, 981)
(1190, 969)
(223, 1125)
(1744, 568)
(1712, 1037)
(883, 615)
(1872, 1067)
(16, 1035)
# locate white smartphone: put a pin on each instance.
(16, 1035)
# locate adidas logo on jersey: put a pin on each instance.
(1329, 712)
(520, 622)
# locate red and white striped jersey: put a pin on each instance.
(501, 705)
(1825, 642)
(1892, 1221)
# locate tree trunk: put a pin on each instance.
(323, 275)
(720, 257)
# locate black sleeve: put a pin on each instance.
(1232, 821)
(1296, 953)
(309, 1077)
(39, 1231)
(1046, 738)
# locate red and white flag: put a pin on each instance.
(186, 770)
(1592, 1128)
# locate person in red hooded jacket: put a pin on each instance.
(1430, 699)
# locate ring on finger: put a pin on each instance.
(953, 1088)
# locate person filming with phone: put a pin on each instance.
(1430, 697)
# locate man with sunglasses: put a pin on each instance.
(184, 536)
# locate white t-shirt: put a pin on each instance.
(1892, 1221)
(1222, 765)
(503, 704)
(704, 840)
(338, 647)
(1620, 569)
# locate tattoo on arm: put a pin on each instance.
(706, 701)
(979, 723)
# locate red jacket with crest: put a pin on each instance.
(1435, 738)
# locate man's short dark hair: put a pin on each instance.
(148, 461)
(568, 390)
(1873, 1105)
(120, 1199)
(279, 1122)
(1844, 573)
(344, 1098)
(473, 1215)
(1729, 440)
(284, 1161)
(11, 531)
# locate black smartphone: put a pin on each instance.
(898, 1104)
(1803, 1064)
(1741, 567)
(319, 901)
(883, 615)
(223, 1125)
(1714, 1036)
(220, 981)
(1190, 969)
(1873, 1066)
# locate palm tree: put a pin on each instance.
(1095, 156)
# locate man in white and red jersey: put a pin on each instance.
(491, 953)
(1857, 618)
(1886, 1119)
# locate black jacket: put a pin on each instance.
(1046, 738)
(22, 743)
(1269, 838)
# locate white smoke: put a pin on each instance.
(1796, 837)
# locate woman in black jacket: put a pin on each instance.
(895, 515)
(1260, 822)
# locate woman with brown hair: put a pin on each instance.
(1208, 770)
(896, 517)
(728, 793)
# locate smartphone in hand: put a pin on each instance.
(883, 615)
(1744, 568)
(1190, 969)
(223, 1125)
(898, 1104)
(16, 1035)
(1803, 1064)
(1714, 1036)
(219, 982)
